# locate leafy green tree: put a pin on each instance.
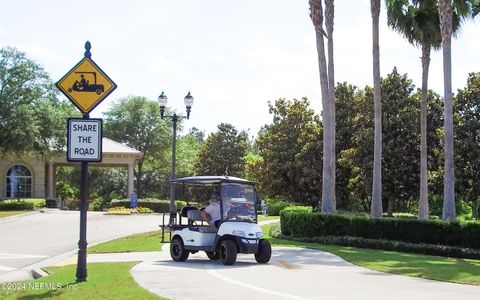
(188, 149)
(400, 138)
(135, 121)
(291, 152)
(346, 113)
(358, 156)
(107, 183)
(31, 116)
(467, 144)
(223, 152)
(401, 142)
(253, 166)
(51, 116)
(200, 135)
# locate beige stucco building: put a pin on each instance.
(34, 177)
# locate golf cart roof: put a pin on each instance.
(209, 180)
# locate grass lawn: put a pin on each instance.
(142, 242)
(262, 218)
(9, 213)
(104, 281)
(457, 270)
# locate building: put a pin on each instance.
(29, 176)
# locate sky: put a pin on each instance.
(233, 56)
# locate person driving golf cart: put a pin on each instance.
(211, 213)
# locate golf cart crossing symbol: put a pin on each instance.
(86, 85)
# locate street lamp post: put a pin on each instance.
(162, 102)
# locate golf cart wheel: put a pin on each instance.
(213, 255)
(98, 91)
(228, 252)
(177, 250)
(264, 252)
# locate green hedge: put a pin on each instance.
(277, 204)
(157, 205)
(464, 234)
(23, 204)
(298, 208)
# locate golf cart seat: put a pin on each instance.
(194, 215)
(186, 209)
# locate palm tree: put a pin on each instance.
(445, 11)
(418, 22)
(376, 210)
(448, 18)
(327, 85)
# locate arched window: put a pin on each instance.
(19, 182)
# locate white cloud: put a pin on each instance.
(41, 53)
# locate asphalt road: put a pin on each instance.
(41, 239)
(292, 273)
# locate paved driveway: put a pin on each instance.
(293, 273)
(41, 239)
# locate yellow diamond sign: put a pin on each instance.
(86, 85)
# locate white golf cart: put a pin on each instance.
(236, 232)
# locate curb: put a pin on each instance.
(38, 273)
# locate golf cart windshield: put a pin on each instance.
(238, 202)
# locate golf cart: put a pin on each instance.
(84, 86)
(236, 232)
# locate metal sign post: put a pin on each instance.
(86, 85)
(82, 243)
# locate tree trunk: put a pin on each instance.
(376, 208)
(316, 14)
(423, 209)
(329, 201)
(445, 11)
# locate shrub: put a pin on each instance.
(143, 210)
(402, 215)
(16, 205)
(156, 205)
(64, 189)
(277, 204)
(459, 234)
(461, 207)
(298, 208)
(119, 211)
(98, 204)
(275, 230)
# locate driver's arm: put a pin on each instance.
(205, 216)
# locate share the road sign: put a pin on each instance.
(86, 85)
(84, 140)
